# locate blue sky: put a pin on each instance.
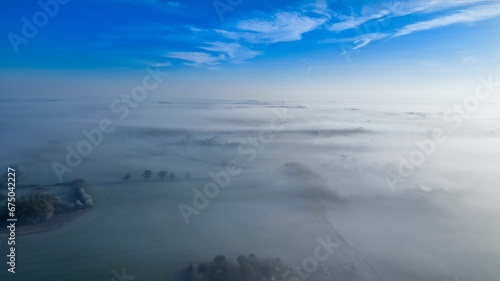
(340, 49)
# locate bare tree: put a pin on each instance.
(162, 174)
(147, 174)
(173, 176)
(127, 177)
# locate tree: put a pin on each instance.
(36, 207)
(173, 176)
(242, 259)
(188, 175)
(220, 259)
(219, 270)
(127, 177)
(247, 272)
(147, 174)
(162, 174)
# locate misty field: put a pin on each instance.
(349, 172)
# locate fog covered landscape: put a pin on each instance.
(249, 140)
(322, 174)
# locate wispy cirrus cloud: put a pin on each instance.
(353, 22)
(196, 58)
(236, 43)
(320, 7)
(403, 8)
(243, 39)
(471, 15)
(386, 10)
(232, 52)
(280, 27)
(216, 53)
(358, 41)
(471, 11)
(366, 39)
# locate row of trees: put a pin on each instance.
(251, 268)
(147, 174)
(244, 268)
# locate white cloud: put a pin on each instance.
(387, 10)
(233, 52)
(366, 39)
(283, 27)
(278, 27)
(228, 34)
(218, 52)
(195, 58)
(321, 8)
(353, 22)
(470, 15)
(402, 8)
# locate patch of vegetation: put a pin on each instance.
(37, 207)
(244, 268)
(251, 268)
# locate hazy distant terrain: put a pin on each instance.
(320, 173)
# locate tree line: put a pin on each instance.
(147, 174)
